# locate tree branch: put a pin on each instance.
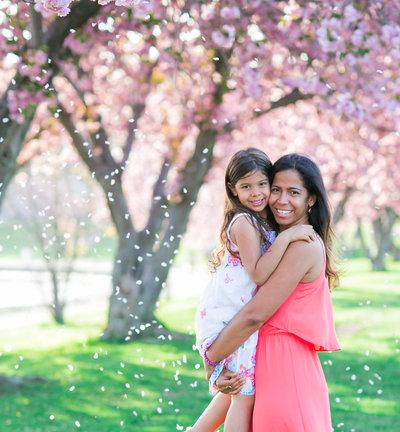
(36, 26)
(84, 150)
(76, 88)
(137, 111)
(291, 98)
(158, 199)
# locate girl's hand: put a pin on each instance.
(300, 232)
(230, 382)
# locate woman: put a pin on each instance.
(293, 311)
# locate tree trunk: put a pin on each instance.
(141, 271)
(12, 136)
(340, 208)
(359, 234)
(58, 304)
(383, 227)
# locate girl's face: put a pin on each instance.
(253, 191)
(289, 200)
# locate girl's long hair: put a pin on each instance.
(320, 216)
(240, 165)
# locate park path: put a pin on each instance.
(25, 294)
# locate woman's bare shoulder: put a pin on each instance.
(310, 252)
(311, 256)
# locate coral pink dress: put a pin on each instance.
(291, 391)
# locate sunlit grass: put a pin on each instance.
(94, 386)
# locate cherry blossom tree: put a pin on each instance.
(182, 79)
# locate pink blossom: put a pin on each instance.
(143, 8)
(372, 144)
(225, 37)
(76, 45)
(39, 7)
(60, 7)
(254, 3)
(229, 13)
(40, 57)
(357, 38)
(85, 84)
(372, 42)
(390, 106)
(207, 12)
(329, 43)
(395, 53)
(30, 71)
(351, 14)
(350, 60)
(396, 86)
(18, 100)
(345, 105)
(252, 89)
(311, 85)
(251, 86)
(390, 32)
(332, 23)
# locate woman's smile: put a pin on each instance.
(284, 212)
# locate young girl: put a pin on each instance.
(245, 259)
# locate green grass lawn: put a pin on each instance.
(91, 385)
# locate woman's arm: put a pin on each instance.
(301, 263)
(260, 268)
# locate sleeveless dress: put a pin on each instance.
(228, 290)
(291, 391)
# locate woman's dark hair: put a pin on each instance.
(320, 216)
(240, 165)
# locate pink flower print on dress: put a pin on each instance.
(203, 312)
(228, 279)
(234, 261)
(229, 359)
(245, 372)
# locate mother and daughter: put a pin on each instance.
(267, 308)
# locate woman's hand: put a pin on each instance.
(230, 382)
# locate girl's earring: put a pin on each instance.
(309, 210)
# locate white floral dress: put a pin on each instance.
(229, 289)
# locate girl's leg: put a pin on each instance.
(239, 414)
(214, 415)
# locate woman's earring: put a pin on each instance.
(309, 210)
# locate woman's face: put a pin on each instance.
(289, 200)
